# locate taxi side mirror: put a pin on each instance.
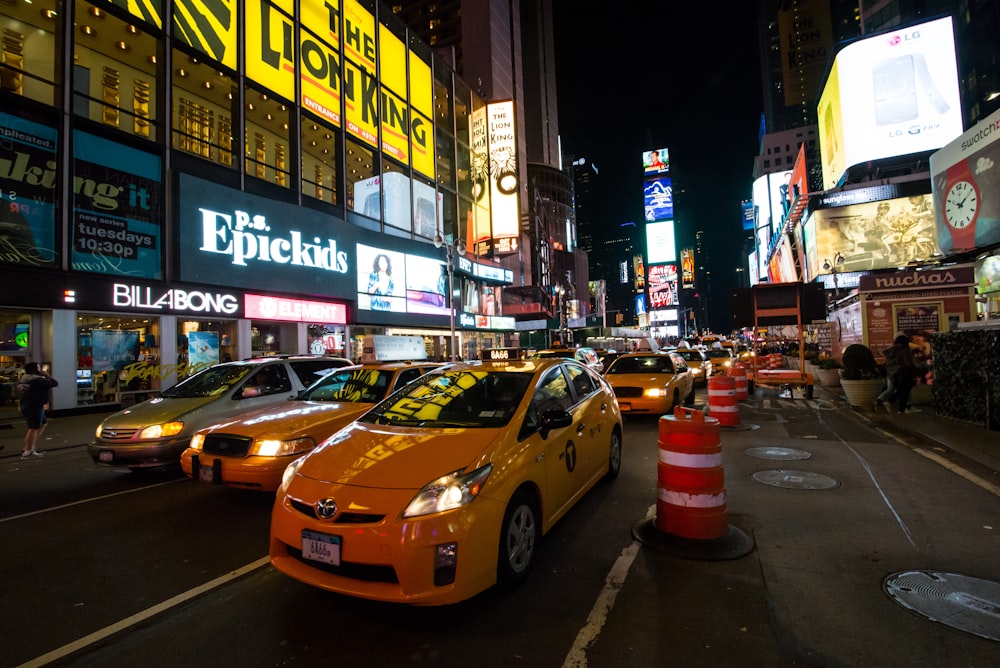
(554, 419)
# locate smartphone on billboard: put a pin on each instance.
(895, 87)
(928, 88)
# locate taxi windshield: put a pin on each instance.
(210, 382)
(719, 354)
(644, 364)
(457, 398)
(367, 386)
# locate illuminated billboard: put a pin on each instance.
(504, 185)
(662, 286)
(873, 235)
(769, 198)
(401, 282)
(749, 215)
(965, 176)
(659, 199)
(660, 246)
(687, 268)
(656, 161)
(888, 95)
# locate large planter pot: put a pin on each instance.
(826, 377)
(792, 361)
(862, 393)
(921, 395)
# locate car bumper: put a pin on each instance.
(259, 473)
(392, 560)
(643, 405)
(144, 454)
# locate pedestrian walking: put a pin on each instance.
(901, 374)
(33, 390)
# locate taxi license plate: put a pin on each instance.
(321, 547)
(624, 406)
(106, 456)
(205, 473)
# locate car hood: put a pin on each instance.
(161, 409)
(384, 457)
(640, 378)
(288, 420)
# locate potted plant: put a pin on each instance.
(826, 372)
(860, 377)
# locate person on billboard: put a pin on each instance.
(380, 282)
(655, 164)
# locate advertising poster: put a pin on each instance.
(114, 349)
(203, 349)
(504, 185)
(655, 162)
(116, 220)
(426, 285)
(381, 279)
(918, 322)
(687, 268)
(662, 286)
(27, 192)
(659, 199)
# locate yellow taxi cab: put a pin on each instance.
(698, 363)
(721, 358)
(445, 488)
(252, 451)
(650, 382)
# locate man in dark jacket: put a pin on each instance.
(33, 389)
(901, 373)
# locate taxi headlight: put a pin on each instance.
(727, 363)
(655, 392)
(447, 492)
(197, 441)
(161, 430)
(289, 474)
(272, 447)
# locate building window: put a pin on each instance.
(267, 139)
(320, 164)
(395, 195)
(114, 72)
(29, 49)
(203, 111)
(363, 194)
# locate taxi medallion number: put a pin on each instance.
(321, 547)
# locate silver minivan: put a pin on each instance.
(155, 432)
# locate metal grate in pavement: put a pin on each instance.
(964, 603)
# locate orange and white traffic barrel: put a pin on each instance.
(691, 494)
(722, 400)
(739, 373)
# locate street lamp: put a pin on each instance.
(450, 250)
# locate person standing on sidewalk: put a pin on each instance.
(901, 372)
(33, 388)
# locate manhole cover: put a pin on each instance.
(795, 479)
(964, 603)
(775, 452)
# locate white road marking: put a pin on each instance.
(117, 627)
(88, 500)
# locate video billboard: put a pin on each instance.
(662, 286)
(887, 95)
(660, 245)
(659, 199)
(656, 161)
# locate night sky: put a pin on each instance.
(637, 76)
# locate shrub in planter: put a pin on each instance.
(827, 363)
(859, 363)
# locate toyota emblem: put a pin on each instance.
(326, 508)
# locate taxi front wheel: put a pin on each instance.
(614, 456)
(519, 535)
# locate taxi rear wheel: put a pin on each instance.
(519, 535)
(614, 456)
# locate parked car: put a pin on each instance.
(583, 355)
(651, 383)
(446, 487)
(155, 432)
(251, 451)
(699, 364)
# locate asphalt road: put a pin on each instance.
(109, 568)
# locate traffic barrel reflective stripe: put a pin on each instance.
(722, 400)
(690, 495)
(739, 372)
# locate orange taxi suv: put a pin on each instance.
(446, 488)
(252, 451)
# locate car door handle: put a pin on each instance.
(580, 428)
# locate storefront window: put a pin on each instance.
(15, 351)
(320, 163)
(327, 340)
(203, 111)
(203, 343)
(273, 338)
(114, 72)
(30, 49)
(118, 359)
(267, 139)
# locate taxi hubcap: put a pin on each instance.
(521, 539)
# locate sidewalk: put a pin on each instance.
(61, 432)
(976, 443)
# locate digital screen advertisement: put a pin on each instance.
(401, 282)
(27, 207)
(887, 95)
(660, 245)
(662, 286)
(656, 161)
(659, 199)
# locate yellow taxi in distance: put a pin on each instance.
(445, 488)
(698, 363)
(721, 358)
(252, 451)
(652, 382)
